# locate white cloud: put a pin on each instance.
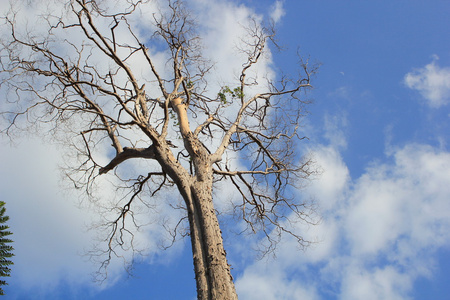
(379, 233)
(47, 229)
(223, 29)
(432, 82)
(50, 233)
(335, 130)
(271, 284)
(277, 11)
(378, 284)
(334, 179)
(390, 203)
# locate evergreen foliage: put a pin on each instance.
(5, 248)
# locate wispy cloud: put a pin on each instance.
(277, 11)
(433, 83)
(335, 127)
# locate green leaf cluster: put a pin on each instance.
(235, 93)
(190, 84)
(5, 248)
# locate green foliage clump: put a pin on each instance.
(235, 93)
(5, 248)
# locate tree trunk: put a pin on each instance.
(212, 272)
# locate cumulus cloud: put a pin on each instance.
(379, 233)
(391, 203)
(432, 82)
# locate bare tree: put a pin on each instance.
(92, 73)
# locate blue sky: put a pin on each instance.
(379, 128)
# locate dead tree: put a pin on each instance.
(93, 73)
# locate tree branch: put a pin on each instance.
(127, 153)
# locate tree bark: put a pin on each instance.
(212, 271)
